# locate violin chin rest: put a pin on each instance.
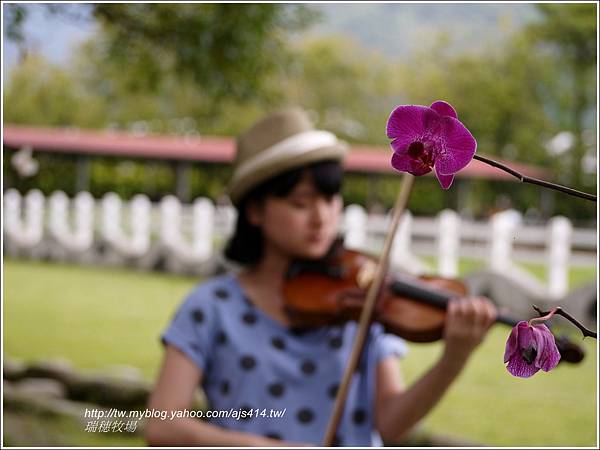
(569, 351)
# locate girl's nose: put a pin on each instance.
(321, 211)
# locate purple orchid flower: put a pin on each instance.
(530, 348)
(426, 138)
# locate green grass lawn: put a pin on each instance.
(99, 317)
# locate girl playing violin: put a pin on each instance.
(268, 383)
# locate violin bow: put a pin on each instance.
(367, 311)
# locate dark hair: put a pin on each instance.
(246, 244)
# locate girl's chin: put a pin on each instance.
(314, 250)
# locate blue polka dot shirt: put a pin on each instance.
(253, 364)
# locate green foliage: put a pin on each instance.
(572, 31)
(572, 27)
(15, 16)
(226, 49)
(130, 177)
(495, 94)
(56, 172)
(209, 180)
(347, 87)
(40, 93)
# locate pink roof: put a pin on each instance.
(367, 159)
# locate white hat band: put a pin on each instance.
(295, 145)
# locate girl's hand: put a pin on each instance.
(468, 320)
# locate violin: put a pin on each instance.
(332, 291)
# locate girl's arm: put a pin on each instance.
(174, 390)
(397, 409)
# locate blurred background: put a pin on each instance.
(119, 123)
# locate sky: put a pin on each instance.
(52, 35)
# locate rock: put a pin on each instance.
(513, 292)
(42, 387)
(581, 303)
(130, 392)
(31, 402)
(13, 370)
(109, 391)
(125, 372)
(56, 369)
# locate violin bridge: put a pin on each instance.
(366, 274)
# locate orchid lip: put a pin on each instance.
(529, 354)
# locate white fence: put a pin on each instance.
(189, 237)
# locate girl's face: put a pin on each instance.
(302, 224)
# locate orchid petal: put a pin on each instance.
(404, 163)
(445, 180)
(444, 109)
(407, 123)
(548, 355)
(522, 336)
(512, 343)
(519, 368)
(526, 336)
(458, 148)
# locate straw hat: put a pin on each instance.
(279, 142)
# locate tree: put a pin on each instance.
(40, 93)
(229, 50)
(571, 29)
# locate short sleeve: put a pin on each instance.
(191, 328)
(386, 345)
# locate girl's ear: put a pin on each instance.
(254, 213)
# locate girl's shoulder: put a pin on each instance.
(221, 289)
(220, 286)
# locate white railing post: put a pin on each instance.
(28, 231)
(355, 227)
(80, 236)
(503, 226)
(448, 243)
(400, 252)
(137, 243)
(139, 217)
(401, 256)
(204, 217)
(558, 248)
(173, 232)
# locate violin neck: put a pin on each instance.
(436, 297)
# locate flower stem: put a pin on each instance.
(545, 317)
(526, 179)
(561, 312)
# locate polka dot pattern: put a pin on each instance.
(249, 318)
(198, 315)
(308, 367)
(221, 294)
(275, 436)
(246, 409)
(305, 416)
(276, 389)
(224, 387)
(359, 416)
(336, 342)
(247, 362)
(332, 390)
(221, 338)
(278, 343)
